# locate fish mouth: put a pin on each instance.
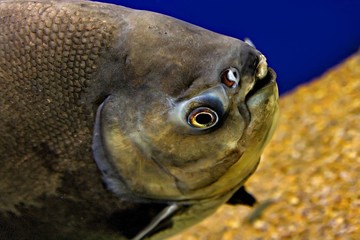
(262, 85)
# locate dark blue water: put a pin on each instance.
(301, 39)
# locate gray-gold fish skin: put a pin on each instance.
(172, 118)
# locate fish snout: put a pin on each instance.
(257, 82)
(254, 74)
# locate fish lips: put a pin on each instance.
(263, 89)
(262, 104)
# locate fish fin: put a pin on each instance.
(249, 42)
(159, 222)
(242, 197)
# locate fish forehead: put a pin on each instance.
(184, 51)
(170, 33)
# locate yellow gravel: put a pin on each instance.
(308, 182)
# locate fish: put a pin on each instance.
(118, 123)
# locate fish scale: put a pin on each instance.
(43, 111)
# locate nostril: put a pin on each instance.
(230, 77)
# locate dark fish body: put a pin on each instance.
(83, 81)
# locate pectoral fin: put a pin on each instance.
(241, 196)
(161, 221)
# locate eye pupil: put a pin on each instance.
(202, 118)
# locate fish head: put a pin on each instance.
(194, 111)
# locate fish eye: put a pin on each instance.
(230, 77)
(202, 118)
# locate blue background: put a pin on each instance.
(301, 39)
